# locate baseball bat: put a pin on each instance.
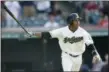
(14, 18)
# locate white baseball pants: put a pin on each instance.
(70, 63)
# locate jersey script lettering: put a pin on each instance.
(72, 39)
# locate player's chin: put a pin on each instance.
(77, 27)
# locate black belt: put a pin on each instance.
(72, 55)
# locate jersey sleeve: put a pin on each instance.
(55, 33)
(88, 39)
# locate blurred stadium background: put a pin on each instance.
(20, 54)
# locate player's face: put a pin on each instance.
(76, 23)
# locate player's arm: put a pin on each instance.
(47, 35)
(41, 34)
(92, 49)
(90, 45)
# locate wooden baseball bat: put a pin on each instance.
(15, 18)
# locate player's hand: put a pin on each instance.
(29, 34)
(33, 34)
(96, 58)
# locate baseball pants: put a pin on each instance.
(70, 63)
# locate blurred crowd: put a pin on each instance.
(99, 66)
(45, 13)
(32, 13)
(93, 12)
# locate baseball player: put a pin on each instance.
(72, 40)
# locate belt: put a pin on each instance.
(72, 55)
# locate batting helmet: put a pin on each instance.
(72, 17)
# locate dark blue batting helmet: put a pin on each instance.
(72, 17)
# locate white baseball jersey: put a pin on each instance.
(72, 42)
